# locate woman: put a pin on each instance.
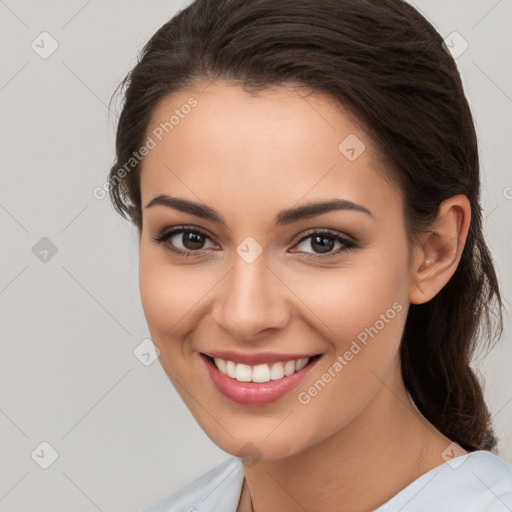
(304, 179)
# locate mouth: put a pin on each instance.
(257, 384)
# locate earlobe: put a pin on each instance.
(440, 251)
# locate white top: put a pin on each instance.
(475, 482)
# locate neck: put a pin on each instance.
(359, 468)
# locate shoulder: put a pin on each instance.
(218, 489)
(476, 482)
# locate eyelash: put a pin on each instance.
(165, 235)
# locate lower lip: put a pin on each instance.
(255, 393)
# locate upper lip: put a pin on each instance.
(253, 359)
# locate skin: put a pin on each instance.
(249, 157)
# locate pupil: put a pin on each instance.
(193, 241)
(325, 243)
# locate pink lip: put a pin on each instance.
(255, 393)
(254, 359)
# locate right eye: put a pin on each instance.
(192, 240)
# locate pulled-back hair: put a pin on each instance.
(386, 65)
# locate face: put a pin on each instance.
(257, 286)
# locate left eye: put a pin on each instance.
(324, 242)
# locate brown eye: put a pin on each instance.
(192, 240)
(323, 242)
(186, 241)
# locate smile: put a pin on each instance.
(261, 372)
(257, 384)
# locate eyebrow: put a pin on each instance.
(284, 217)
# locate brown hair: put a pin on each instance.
(385, 64)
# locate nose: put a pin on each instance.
(252, 301)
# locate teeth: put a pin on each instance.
(301, 363)
(230, 369)
(221, 365)
(277, 371)
(289, 368)
(243, 373)
(260, 372)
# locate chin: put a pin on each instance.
(257, 446)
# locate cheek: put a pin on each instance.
(342, 303)
(362, 318)
(167, 294)
(174, 297)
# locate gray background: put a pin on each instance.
(70, 323)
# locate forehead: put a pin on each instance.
(279, 147)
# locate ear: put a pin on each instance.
(437, 254)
